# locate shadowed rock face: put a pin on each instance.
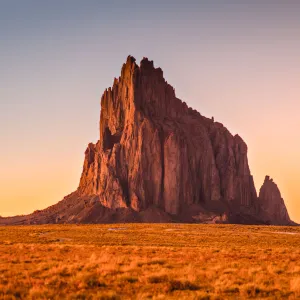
(159, 160)
(272, 205)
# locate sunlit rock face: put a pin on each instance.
(158, 160)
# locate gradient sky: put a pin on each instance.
(238, 61)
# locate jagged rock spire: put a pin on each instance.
(272, 204)
(157, 160)
(155, 150)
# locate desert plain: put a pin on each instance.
(149, 261)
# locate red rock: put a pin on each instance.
(154, 150)
(272, 205)
(159, 160)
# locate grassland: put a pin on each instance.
(149, 261)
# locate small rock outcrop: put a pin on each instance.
(272, 205)
(158, 160)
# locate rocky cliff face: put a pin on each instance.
(159, 160)
(155, 150)
(272, 205)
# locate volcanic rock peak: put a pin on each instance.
(192, 160)
(157, 160)
(155, 150)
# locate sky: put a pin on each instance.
(235, 60)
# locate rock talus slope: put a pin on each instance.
(157, 160)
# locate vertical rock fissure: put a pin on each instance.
(162, 184)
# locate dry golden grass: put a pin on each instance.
(149, 261)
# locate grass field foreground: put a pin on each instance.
(149, 261)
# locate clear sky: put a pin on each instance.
(238, 61)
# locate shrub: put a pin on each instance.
(182, 285)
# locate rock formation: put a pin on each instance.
(272, 205)
(154, 150)
(157, 160)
